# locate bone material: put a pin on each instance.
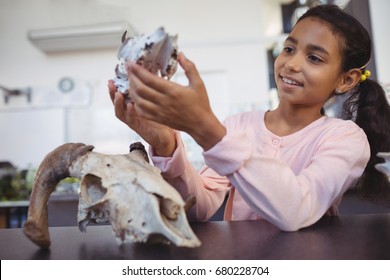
(124, 190)
(385, 166)
(156, 52)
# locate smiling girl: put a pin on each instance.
(290, 165)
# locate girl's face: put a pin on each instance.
(308, 69)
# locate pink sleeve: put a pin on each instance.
(269, 185)
(209, 188)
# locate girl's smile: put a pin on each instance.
(291, 81)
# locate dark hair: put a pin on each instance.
(366, 103)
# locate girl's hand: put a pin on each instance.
(160, 137)
(185, 108)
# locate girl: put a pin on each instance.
(291, 165)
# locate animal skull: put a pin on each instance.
(156, 52)
(123, 189)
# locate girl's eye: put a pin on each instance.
(288, 49)
(314, 58)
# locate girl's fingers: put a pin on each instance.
(119, 106)
(148, 78)
(190, 70)
(139, 91)
(147, 110)
(112, 89)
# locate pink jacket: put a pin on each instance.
(291, 181)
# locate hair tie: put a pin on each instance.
(365, 75)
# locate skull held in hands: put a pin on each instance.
(156, 52)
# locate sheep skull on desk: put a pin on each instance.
(123, 189)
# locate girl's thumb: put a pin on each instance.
(190, 70)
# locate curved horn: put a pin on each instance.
(124, 36)
(139, 147)
(54, 167)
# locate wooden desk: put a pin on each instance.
(344, 237)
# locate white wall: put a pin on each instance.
(380, 21)
(225, 39)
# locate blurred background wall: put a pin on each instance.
(227, 40)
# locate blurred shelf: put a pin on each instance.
(62, 209)
(10, 204)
